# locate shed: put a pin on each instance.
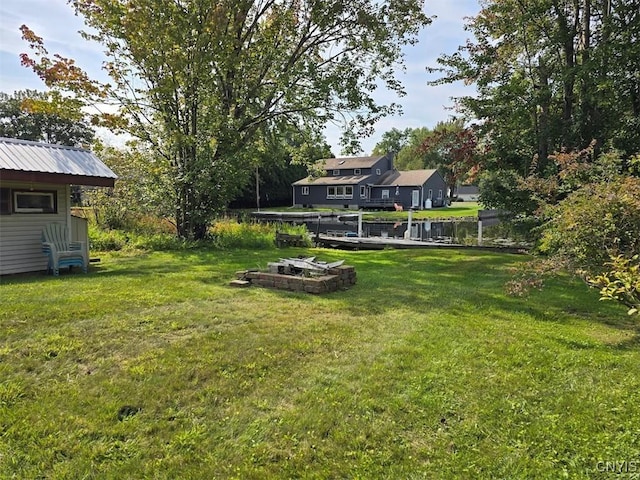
(35, 190)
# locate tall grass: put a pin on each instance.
(225, 233)
(228, 233)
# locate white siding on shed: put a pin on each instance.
(20, 233)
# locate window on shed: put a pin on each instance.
(305, 190)
(34, 201)
(5, 201)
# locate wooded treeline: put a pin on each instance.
(551, 76)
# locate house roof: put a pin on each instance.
(349, 162)
(467, 190)
(343, 180)
(407, 178)
(23, 160)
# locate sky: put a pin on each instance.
(423, 105)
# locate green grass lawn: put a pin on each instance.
(151, 366)
(455, 210)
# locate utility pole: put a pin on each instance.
(257, 188)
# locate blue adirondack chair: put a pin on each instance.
(61, 251)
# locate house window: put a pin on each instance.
(305, 190)
(363, 192)
(340, 192)
(378, 171)
(385, 194)
(34, 202)
(357, 171)
(5, 201)
(336, 172)
(439, 194)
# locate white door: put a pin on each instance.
(415, 198)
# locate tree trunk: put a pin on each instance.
(567, 34)
(544, 98)
(587, 124)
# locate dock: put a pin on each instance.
(293, 215)
(380, 243)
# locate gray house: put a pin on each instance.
(369, 182)
(35, 190)
(467, 193)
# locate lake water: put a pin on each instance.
(458, 232)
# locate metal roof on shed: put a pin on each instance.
(43, 158)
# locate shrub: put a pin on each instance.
(595, 223)
(105, 240)
(621, 283)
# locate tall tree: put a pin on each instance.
(551, 75)
(44, 117)
(411, 156)
(449, 147)
(406, 145)
(392, 140)
(456, 148)
(202, 80)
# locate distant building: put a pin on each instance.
(467, 193)
(369, 182)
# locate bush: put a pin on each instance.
(504, 190)
(106, 240)
(595, 223)
(621, 283)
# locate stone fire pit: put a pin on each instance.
(300, 275)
